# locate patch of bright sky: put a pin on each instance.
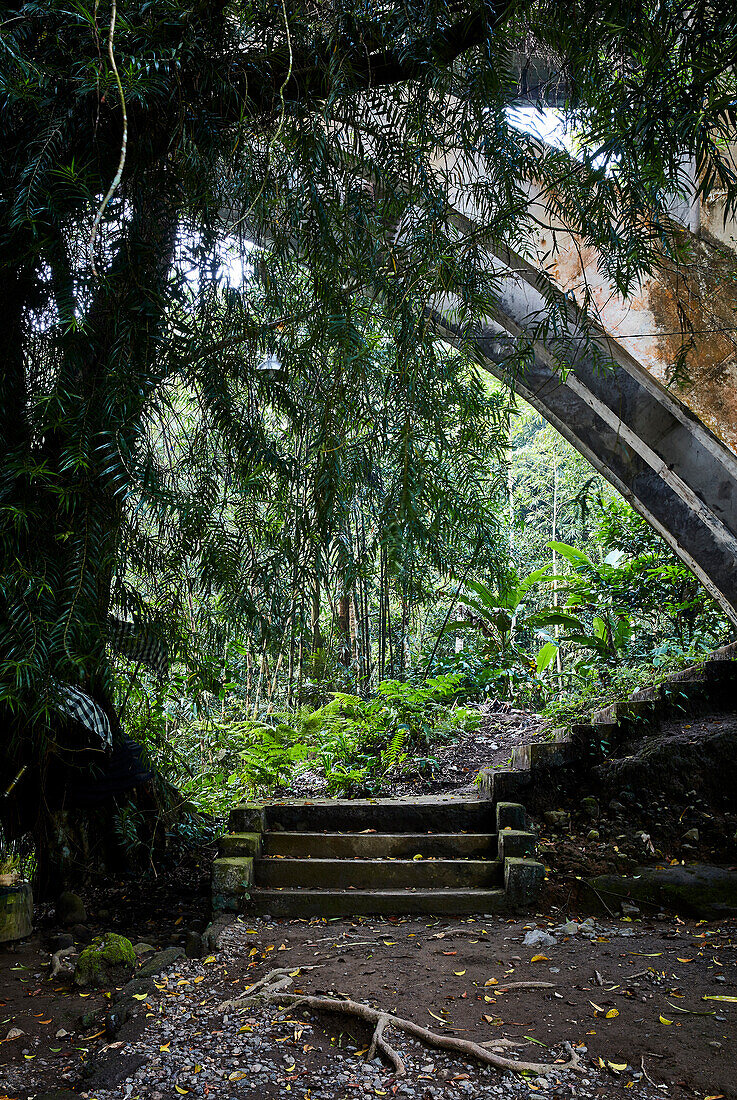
(230, 264)
(547, 123)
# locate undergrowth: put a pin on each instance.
(226, 755)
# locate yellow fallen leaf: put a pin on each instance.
(612, 1013)
(685, 960)
(198, 979)
(539, 958)
(418, 856)
(440, 1018)
(459, 973)
(181, 1091)
(719, 997)
(165, 1046)
(140, 996)
(492, 981)
(391, 943)
(664, 1021)
(210, 959)
(237, 1076)
(618, 1067)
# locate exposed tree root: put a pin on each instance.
(270, 989)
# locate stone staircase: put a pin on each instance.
(440, 855)
(691, 690)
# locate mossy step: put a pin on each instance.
(347, 903)
(378, 845)
(240, 844)
(377, 874)
(439, 814)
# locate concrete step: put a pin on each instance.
(347, 903)
(440, 814)
(378, 874)
(377, 845)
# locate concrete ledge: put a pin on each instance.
(246, 818)
(523, 880)
(724, 653)
(700, 890)
(516, 843)
(232, 878)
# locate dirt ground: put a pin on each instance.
(629, 997)
(633, 996)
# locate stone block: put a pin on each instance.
(232, 877)
(516, 843)
(485, 783)
(16, 912)
(240, 844)
(510, 815)
(541, 754)
(506, 786)
(523, 880)
(246, 818)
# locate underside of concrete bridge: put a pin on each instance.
(665, 439)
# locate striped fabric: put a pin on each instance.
(78, 706)
(135, 643)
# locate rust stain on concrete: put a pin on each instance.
(694, 304)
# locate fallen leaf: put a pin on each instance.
(719, 997)
(237, 1076)
(165, 1046)
(440, 1018)
(664, 1021)
(492, 981)
(459, 973)
(140, 996)
(539, 958)
(612, 1013)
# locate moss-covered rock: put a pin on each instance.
(109, 960)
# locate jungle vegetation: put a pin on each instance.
(228, 419)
